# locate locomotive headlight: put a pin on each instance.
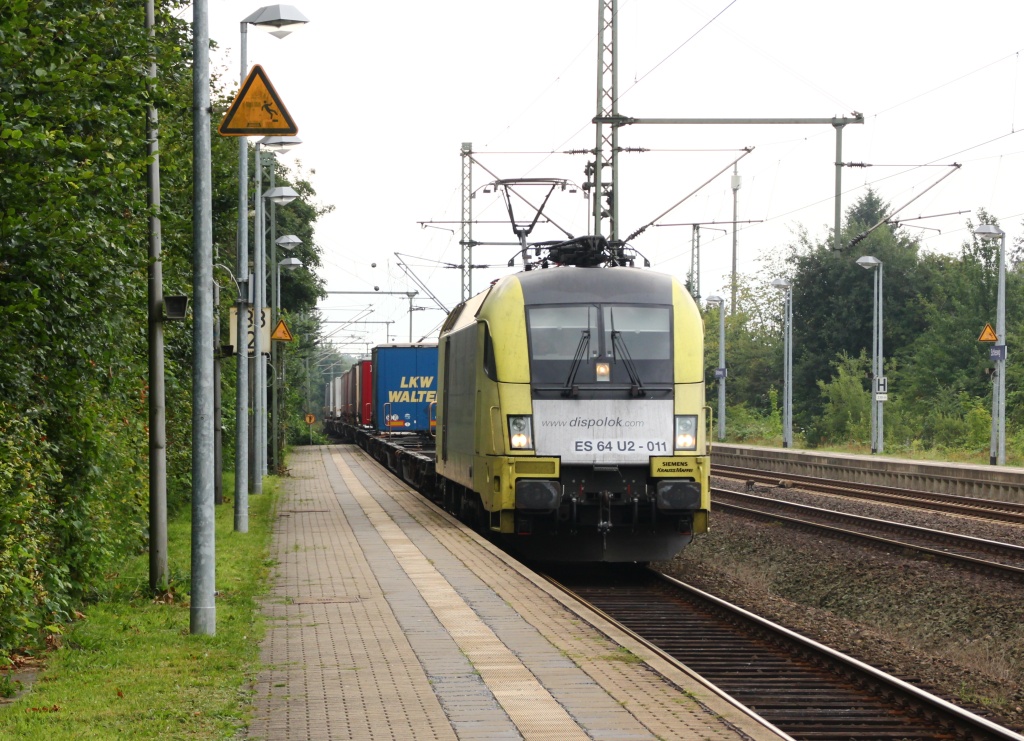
(520, 431)
(686, 432)
(603, 371)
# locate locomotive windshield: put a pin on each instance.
(642, 329)
(606, 344)
(555, 331)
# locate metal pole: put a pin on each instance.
(274, 311)
(695, 262)
(788, 392)
(218, 442)
(874, 365)
(721, 364)
(277, 369)
(259, 389)
(261, 360)
(242, 322)
(157, 394)
(881, 364)
(735, 194)
(466, 235)
(203, 616)
(836, 242)
(787, 381)
(785, 366)
(999, 389)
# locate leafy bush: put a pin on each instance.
(744, 424)
(847, 410)
(29, 476)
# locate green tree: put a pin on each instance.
(73, 289)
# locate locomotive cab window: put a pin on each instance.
(641, 331)
(607, 344)
(557, 331)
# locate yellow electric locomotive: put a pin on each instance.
(571, 416)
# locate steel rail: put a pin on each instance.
(975, 564)
(806, 689)
(989, 509)
(958, 540)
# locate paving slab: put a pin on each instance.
(388, 619)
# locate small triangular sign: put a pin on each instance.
(281, 332)
(257, 110)
(988, 334)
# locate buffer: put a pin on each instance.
(257, 110)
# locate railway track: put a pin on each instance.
(989, 509)
(962, 550)
(805, 689)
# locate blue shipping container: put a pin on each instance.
(405, 388)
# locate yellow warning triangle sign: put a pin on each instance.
(281, 332)
(257, 110)
(988, 334)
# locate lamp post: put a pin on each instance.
(283, 19)
(720, 372)
(158, 568)
(203, 609)
(879, 383)
(279, 195)
(997, 446)
(288, 263)
(288, 242)
(275, 144)
(787, 361)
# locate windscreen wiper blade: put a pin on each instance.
(570, 388)
(619, 344)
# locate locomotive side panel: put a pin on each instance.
(690, 400)
(456, 412)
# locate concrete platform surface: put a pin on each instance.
(390, 620)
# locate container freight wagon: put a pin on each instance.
(404, 388)
(362, 408)
(348, 384)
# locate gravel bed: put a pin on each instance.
(956, 634)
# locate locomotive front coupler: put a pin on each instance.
(604, 523)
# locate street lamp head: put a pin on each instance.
(290, 263)
(714, 300)
(281, 195)
(868, 262)
(281, 144)
(288, 241)
(782, 284)
(175, 308)
(282, 19)
(988, 231)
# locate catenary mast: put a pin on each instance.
(605, 191)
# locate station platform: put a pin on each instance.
(388, 619)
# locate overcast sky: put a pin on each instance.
(385, 93)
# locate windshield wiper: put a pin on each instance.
(637, 387)
(570, 388)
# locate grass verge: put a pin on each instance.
(131, 669)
